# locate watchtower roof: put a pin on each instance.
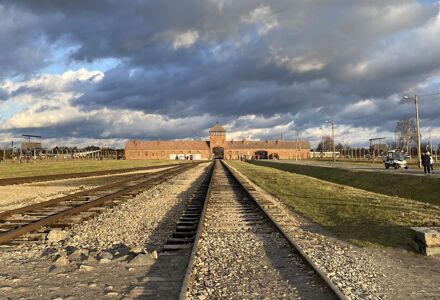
(217, 128)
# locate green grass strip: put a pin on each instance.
(420, 188)
(358, 216)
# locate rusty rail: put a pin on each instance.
(336, 291)
(29, 179)
(149, 180)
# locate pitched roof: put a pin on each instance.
(167, 145)
(261, 145)
(217, 128)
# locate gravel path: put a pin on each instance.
(104, 257)
(19, 195)
(362, 273)
(240, 256)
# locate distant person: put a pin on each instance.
(431, 163)
(426, 162)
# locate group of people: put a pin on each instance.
(427, 162)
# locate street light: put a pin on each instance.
(419, 147)
(333, 138)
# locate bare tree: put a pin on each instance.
(326, 144)
(406, 131)
(393, 144)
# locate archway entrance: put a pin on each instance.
(260, 154)
(218, 152)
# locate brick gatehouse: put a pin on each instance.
(217, 147)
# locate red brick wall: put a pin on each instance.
(282, 153)
(162, 154)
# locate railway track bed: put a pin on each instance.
(96, 260)
(223, 246)
(32, 223)
(214, 241)
(43, 178)
(242, 255)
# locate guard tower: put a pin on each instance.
(32, 146)
(217, 141)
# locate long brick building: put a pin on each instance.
(217, 147)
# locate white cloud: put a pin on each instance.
(263, 17)
(45, 99)
(299, 64)
(185, 39)
(362, 107)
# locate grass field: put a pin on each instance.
(363, 162)
(420, 188)
(361, 217)
(8, 170)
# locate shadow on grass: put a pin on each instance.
(423, 189)
(370, 233)
(354, 217)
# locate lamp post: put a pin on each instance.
(419, 147)
(333, 138)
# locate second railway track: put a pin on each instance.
(32, 223)
(43, 178)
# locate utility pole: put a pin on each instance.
(333, 139)
(416, 100)
(297, 144)
(430, 144)
(419, 147)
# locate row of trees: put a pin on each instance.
(76, 149)
(406, 139)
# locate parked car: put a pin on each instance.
(395, 159)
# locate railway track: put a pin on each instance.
(32, 223)
(30, 179)
(227, 245)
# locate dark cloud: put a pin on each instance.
(281, 61)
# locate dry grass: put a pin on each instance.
(8, 170)
(361, 217)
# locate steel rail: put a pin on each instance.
(73, 196)
(47, 220)
(42, 178)
(195, 247)
(337, 292)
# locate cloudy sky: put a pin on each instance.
(101, 72)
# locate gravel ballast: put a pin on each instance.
(103, 257)
(242, 256)
(19, 195)
(361, 273)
